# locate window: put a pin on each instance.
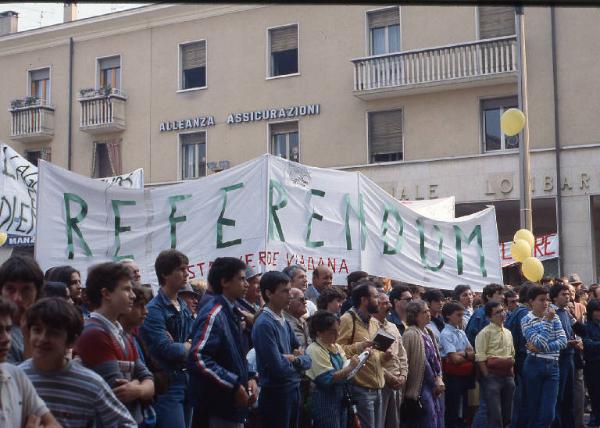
(284, 140)
(33, 156)
(106, 160)
(193, 155)
(496, 21)
(193, 65)
(385, 136)
(493, 138)
(384, 31)
(40, 83)
(283, 43)
(110, 72)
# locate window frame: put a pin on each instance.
(48, 89)
(180, 145)
(368, 31)
(271, 134)
(99, 71)
(180, 67)
(482, 123)
(268, 50)
(367, 127)
(478, 23)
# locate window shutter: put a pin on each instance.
(284, 39)
(194, 138)
(496, 21)
(112, 62)
(385, 132)
(42, 74)
(384, 18)
(193, 55)
(284, 128)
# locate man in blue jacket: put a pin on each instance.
(221, 382)
(279, 356)
(166, 332)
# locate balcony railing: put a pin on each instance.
(465, 62)
(32, 119)
(102, 111)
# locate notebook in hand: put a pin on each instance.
(383, 340)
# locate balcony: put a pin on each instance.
(482, 62)
(32, 120)
(102, 110)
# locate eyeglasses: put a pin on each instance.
(300, 299)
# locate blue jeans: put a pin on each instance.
(565, 417)
(279, 407)
(519, 414)
(542, 378)
(480, 418)
(368, 403)
(173, 408)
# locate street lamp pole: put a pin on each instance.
(524, 159)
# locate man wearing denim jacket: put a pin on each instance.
(166, 333)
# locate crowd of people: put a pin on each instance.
(247, 349)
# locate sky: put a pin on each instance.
(36, 15)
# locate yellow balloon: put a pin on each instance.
(3, 238)
(512, 121)
(520, 250)
(532, 269)
(525, 235)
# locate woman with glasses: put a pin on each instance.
(423, 397)
(328, 371)
(495, 356)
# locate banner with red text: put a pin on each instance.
(270, 213)
(546, 248)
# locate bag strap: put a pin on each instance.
(353, 325)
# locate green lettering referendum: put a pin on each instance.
(314, 215)
(423, 251)
(360, 214)
(73, 221)
(222, 221)
(281, 203)
(119, 228)
(460, 236)
(174, 220)
(385, 227)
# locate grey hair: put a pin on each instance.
(291, 270)
(412, 311)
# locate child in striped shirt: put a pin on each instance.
(77, 396)
(545, 338)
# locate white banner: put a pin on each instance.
(18, 184)
(545, 248)
(270, 213)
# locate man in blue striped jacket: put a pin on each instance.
(545, 338)
(222, 385)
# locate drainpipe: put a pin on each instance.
(556, 143)
(70, 105)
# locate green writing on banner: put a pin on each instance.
(460, 237)
(360, 214)
(387, 249)
(120, 229)
(174, 220)
(223, 221)
(72, 223)
(281, 203)
(310, 243)
(423, 250)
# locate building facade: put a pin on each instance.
(409, 95)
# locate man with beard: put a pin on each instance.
(357, 329)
